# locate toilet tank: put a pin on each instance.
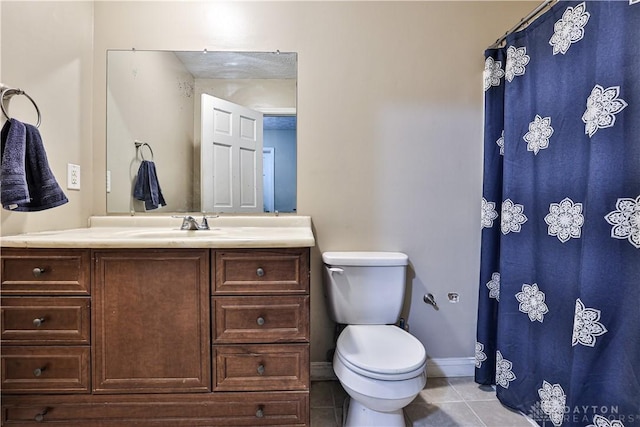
(364, 288)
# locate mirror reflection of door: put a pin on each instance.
(231, 157)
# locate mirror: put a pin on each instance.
(154, 113)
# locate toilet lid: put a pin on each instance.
(380, 351)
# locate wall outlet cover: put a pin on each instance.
(73, 176)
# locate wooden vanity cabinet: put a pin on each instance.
(151, 321)
(155, 337)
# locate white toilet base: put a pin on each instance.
(359, 415)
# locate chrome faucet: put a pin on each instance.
(190, 223)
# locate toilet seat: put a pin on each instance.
(383, 352)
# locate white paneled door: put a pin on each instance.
(231, 157)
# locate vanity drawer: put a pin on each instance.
(258, 319)
(261, 367)
(45, 369)
(46, 320)
(261, 271)
(45, 271)
(213, 409)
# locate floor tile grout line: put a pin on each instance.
(482, 423)
(457, 393)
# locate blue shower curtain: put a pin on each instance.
(559, 301)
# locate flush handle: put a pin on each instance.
(430, 299)
(336, 270)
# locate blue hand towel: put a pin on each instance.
(43, 188)
(147, 187)
(13, 176)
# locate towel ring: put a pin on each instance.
(140, 145)
(7, 93)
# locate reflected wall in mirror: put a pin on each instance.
(154, 98)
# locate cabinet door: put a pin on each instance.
(151, 330)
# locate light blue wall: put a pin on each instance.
(284, 143)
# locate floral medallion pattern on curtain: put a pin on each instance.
(559, 294)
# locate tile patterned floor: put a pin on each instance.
(444, 402)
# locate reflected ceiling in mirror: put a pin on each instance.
(239, 65)
(153, 97)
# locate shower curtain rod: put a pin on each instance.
(523, 22)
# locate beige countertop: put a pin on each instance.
(164, 232)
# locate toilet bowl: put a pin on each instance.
(382, 368)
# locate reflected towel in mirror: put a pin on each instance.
(147, 187)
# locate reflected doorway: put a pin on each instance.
(280, 135)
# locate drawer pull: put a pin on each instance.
(38, 371)
(260, 412)
(37, 272)
(40, 415)
(260, 272)
(260, 369)
(38, 322)
(260, 321)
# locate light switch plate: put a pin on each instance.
(73, 176)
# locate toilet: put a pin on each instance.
(380, 366)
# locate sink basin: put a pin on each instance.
(176, 234)
(164, 232)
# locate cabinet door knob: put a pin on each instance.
(260, 412)
(40, 415)
(38, 371)
(260, 321)
(260, 272)
(37, 322)
(37, 272)
(260, 369)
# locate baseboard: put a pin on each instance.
(447, 367)
(322, 371)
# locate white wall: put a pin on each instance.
(47, 50)
(389, 124)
